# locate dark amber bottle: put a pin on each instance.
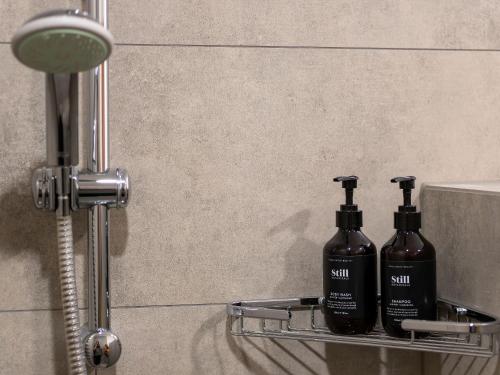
(350, 271)
(408, 269)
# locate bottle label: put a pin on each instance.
(351, 285)
(410, 291)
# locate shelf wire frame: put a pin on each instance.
(459, 330)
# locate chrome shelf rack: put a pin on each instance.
(458, 330)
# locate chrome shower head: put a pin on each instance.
(62, 41)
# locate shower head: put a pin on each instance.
(62, 41)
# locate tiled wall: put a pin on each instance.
(232, 117)
(462, 222)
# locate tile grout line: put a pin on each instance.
(306, 47)
(250, 46)
(124, 307)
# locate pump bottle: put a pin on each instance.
(350, 271)
(408, 269)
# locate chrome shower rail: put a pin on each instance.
(98, 162)
(459, 330)
(107, 188)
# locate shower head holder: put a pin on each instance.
(111, 189)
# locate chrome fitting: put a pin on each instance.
(110, 189)
(53, 187)
(43, 186)
(102, 348)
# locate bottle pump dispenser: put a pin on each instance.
(350, 270)
(408, 268)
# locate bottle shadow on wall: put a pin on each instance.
(27, 232)
(210, 353)
(265, 356)
(302, 272)
(206, 354)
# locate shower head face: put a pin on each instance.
(63, 41)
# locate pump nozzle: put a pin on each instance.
(349, 216)
(349, 183)
(407, 217)
(406, 184)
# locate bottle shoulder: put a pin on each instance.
(408, 245)
(349, 243)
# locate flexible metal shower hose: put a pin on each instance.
(76, 355)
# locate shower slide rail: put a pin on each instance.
(62, 186)
(458, 330)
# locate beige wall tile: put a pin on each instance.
(463, 227)
(188, 340)
(232, 151)
(361, 23)
(32, 342)
(15, 13)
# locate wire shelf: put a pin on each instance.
(458, 330)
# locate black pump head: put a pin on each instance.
(406, 184)
(349, 183)
(407, 217)
(349, 217)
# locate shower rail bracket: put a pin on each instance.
(458, 330)
(111, 189)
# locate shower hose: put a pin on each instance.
(76, 355)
